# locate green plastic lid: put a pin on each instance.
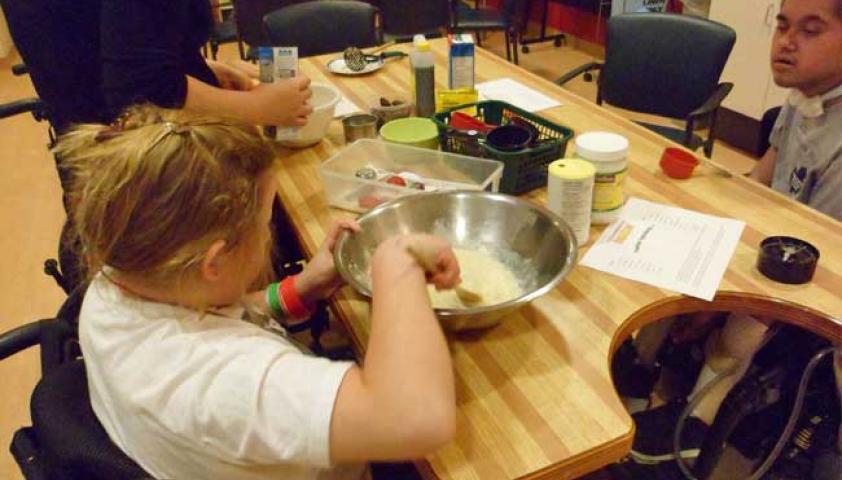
(409, 130)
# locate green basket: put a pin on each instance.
(523, 170)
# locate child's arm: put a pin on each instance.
(765, 168)
(319, 279)
(400, 404)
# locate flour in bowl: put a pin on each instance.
(483, 274)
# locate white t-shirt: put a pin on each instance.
(191, 396)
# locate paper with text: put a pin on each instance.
(668, 247)
(515, 93)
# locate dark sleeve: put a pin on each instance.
(143, 44)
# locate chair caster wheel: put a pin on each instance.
(588, 77)
(524, 49)
(557, 41)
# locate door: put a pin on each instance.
(748, 67)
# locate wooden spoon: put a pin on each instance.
(426, 256)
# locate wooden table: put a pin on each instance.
(535, 397)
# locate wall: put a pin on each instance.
(5, 38)
(579, 18)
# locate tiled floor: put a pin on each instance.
(31, 216)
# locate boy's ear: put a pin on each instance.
(211, 267)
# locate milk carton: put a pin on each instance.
(285, 66)
(461, 64)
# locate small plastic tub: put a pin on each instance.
(678, 163)
(412, 131)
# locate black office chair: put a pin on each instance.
(324, 26)
(667, 65)
(767, 123)
(511, 20)
(248, 18)
(404, 18)
(33, 105)
(224, 31)
(65, 440)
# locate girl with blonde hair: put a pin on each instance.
(173, 212)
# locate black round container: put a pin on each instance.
(787, 259)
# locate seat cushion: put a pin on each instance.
(674, 134)
(69, 435)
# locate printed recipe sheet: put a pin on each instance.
(668, 247)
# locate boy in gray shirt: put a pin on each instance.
(805, 160)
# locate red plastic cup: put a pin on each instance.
(678, 163)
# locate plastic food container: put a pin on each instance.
(362, 175)
(415, 131)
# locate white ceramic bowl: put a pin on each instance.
(324, 100)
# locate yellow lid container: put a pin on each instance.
(572, 169)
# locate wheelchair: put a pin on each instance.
(65, 440)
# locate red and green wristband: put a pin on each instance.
(284, 301)
(293, 303)
(276, 308)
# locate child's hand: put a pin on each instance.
(319, 280)
(433, 254)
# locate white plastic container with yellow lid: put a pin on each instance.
(570, 184)
(608, 153)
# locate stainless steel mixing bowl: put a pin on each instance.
(533, 242)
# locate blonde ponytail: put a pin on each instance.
(151, 192)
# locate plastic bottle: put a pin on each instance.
(423, 77)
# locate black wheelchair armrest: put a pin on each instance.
(708, 109)
(34, 105)
(21, 338)
(578, 71)
(713, 102)
(19, 69)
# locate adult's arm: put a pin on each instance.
(280, 103)
(142, 44)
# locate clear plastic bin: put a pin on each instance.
(437, 171)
